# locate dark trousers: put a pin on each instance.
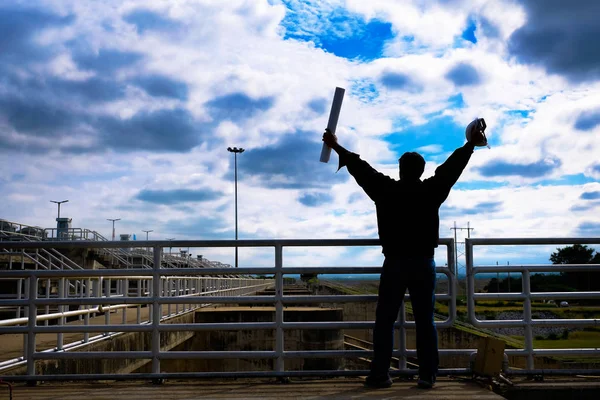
(418, 275)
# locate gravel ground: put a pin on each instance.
(537, 331)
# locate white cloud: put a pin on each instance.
(229, 47)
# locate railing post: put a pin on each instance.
(107, 312)
(47, 308)
(156, 312)
(139, 306)
(470, 280)
(61, 308)
(125, 295)
(279, 363)
(402, 336)
(31, 322)
(169, 292)
(178, 288)
(86, 317)
(452, 284)
(527, 318)
(19, 292)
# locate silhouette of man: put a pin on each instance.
(408, 224)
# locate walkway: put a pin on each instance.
(257, 389)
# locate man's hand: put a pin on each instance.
(478, 138)
(476, 133)
(330, 139)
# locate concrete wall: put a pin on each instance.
(449, 338)
(133, 341)
(254, 340)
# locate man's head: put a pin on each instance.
(412, 166)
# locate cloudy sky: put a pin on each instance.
(126, 108)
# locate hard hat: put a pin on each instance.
(477, 125)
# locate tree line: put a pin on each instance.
(568, 281)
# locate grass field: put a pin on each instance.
(589, 338)
(578, 339)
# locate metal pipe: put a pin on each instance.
(279, 346)
(156, 309)
(32, 313)
(61, 319)
(527, 318)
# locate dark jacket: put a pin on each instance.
(408, 211)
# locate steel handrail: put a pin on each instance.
(527, 322)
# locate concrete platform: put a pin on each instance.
(248, 389)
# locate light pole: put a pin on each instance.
(147, 233)
(59, 203)
(113, 221)
(235, 152)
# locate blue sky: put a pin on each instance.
(127, 109)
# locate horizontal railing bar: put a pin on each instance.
(225, 326)
(92, 328)
(7, 330)
(14, 302)
(532, 241)
(537, 295)
(353, 325)
(536, 322)
(208, 327)
(345, 298)
(175, 355)
(499, 296)
(89, 355)
(556, 372)
(328, 354)
(368, 353)
(93, 244)
(536, 268)
(217, 299)
(236, 374)
(106, 273)
(201, 298)
(195, 354)
(566, 322)
(175, 273)
(170, 355)
(50, 354)
(329, 299)
(558, 352)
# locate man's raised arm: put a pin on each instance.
(448, 173)
(372, 181)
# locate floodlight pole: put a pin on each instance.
(235, 152)
(59, 203)
(113, 222)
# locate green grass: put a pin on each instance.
(578, 339)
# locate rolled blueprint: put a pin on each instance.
(334, 114)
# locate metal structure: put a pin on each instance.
(113, 220)
(153, 295)
(58, 203)
(526, 295)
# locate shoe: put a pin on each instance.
(426, 383)
(378, 382)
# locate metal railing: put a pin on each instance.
(526, 295)
(157, 297)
